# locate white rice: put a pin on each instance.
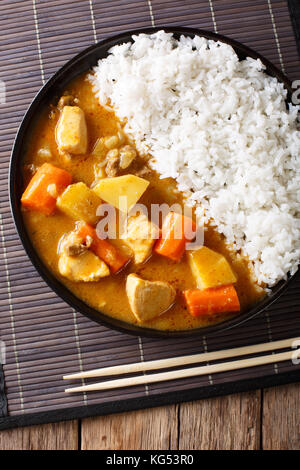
(220, 127)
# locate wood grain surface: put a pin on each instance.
(231, 422)
(149, 429)
(267, 419)
(57, 436)
(281, 418)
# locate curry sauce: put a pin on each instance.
(46, 232)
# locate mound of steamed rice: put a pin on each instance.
(221, 128)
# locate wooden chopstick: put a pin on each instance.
(184, 373)
(183, 360)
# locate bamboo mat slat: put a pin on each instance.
(45, 339)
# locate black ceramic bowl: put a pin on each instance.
(53, 88)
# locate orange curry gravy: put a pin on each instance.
(46, 231)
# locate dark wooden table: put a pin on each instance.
(263, 419)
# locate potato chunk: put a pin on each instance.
(210, 268)
(85, 267)
(71, 131)
(140, 236)
(79, 202)
(122, 192)
(148, 299)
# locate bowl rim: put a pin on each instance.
(43, 96)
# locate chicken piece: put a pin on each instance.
(140, 236)
(71, 131)
(72, 245)
(148, 299)
(85, 267)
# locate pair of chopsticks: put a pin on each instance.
(183, 361)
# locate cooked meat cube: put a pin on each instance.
(140, 236)
(148, 299)
(72, 245)
(71, 131)
(85, 267)
(113, 163)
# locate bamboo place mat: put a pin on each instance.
(44, 337)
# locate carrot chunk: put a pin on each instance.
(210, 301)
(176, 231)
(102, 248)
(44, 188)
